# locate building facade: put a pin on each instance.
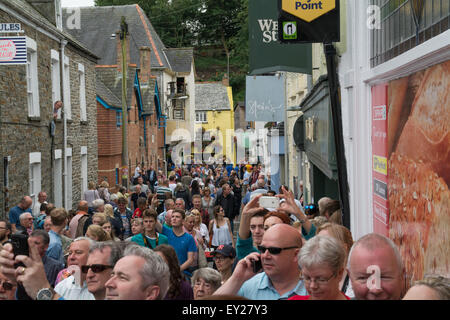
(41, 153)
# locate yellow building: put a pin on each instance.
(214, 122)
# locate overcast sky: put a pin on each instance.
(77, 3)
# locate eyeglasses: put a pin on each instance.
(96, 268)
(6, 285)
(220, 258)
(319, 281)
(310, 207)
(274, 250)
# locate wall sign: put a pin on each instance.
(13, 50)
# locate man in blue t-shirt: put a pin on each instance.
(14, 214)
(181, 241)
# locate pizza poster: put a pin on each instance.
(379, 159)
(418, 169)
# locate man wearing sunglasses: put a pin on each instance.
(280, 278)
(102, 258)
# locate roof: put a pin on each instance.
(28, 11)
(211, 96)
(112, 80)
(99, 23)
(180, 59)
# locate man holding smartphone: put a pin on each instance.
(280, 278)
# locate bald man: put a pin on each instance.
(376, 269)
(14, 214)
(280, 278)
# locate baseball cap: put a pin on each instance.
(225, 250)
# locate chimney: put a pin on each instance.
(46, 8)
(145, 67)
(225, 80)
(119, 50)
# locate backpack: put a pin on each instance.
(80, 227)
(39, 221)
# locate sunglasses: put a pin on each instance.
(274, 250)
(96, 268)
(310, 207)
(7, 286)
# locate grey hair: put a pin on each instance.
(439, 284)
(116, 250)
(97, 203)
(322, 250)
(22, 216)
(91, 242)
(211, 276)
(373, 241)
(42, 234)
(184, 203)
(155, 270)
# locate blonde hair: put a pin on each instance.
(98, 232)
(339, 232)
(102, 216)
(109, 210)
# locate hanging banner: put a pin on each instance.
(13, 50)
(267, 54)
(309, 21)
(264, 98)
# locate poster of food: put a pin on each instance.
(418, 144)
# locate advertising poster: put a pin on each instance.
(379, 159)
(419, 170)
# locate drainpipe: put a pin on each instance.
(61, 60)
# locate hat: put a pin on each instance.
(226, 250)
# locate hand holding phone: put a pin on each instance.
(269, 202)
(20, 246)
(257, 265)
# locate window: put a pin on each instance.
(32, 79)
(398, 31)
(57, 178)
(81, 75)
(66, 92)
(35, 175)
(56, 83)
(118, 119)
(200, 116)
(84, 170)
(178, 109)
(69, 188)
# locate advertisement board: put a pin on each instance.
(418, 147)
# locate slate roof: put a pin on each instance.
(31, 13)
(180, 59)
(99, 23)
(209, 95)
(112, 80)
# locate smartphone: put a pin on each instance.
(20, 247)
(257, 265)
(269, 202)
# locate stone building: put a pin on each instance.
(58, 67)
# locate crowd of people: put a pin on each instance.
(198, 233)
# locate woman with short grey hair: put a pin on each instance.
(205, 281)
(322, 262)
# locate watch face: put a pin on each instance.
(44, 294)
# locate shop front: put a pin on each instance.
(319, 165)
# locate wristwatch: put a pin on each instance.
(45, 294)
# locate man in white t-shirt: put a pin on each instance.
(42, 198)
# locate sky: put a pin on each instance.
(77, 3)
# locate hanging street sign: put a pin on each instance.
(13, 50)
(314, 21)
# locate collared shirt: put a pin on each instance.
(55, 250)
(260, 288)
(69, 290)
